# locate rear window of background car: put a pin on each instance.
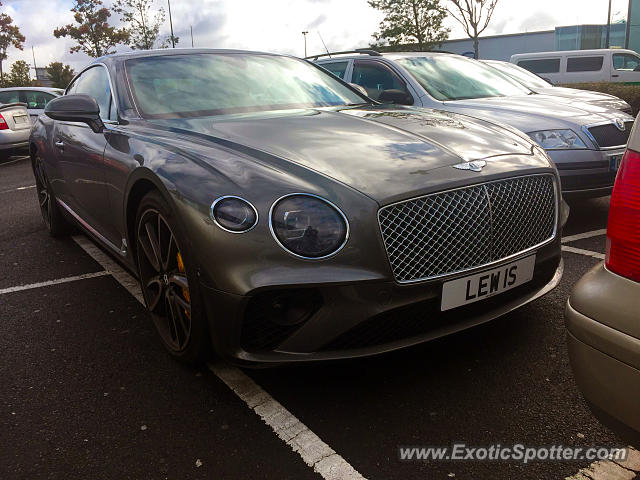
(542, 65)
(9, 96)
(584, 64)
(337, 68)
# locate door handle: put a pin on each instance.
(59, 144)
(615, 76)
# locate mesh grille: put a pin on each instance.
(610, 136)
(453, 231)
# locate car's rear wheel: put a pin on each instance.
(168, 284)
(53, 219)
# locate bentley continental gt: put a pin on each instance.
(273, 213)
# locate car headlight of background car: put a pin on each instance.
(308, 226)
(557, 139)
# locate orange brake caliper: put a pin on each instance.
(185, 291)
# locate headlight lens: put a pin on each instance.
(234, 214)
(557, 139)
(308, 226)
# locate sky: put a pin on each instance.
(276, 25)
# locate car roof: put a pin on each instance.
(388, 55)
(37, 89)
(175, 51)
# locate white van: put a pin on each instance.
(575, 66)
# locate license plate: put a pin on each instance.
(614, 162)
(20, 119)
(487, 284)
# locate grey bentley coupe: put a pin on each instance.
(272, 213)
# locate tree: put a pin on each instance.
(19, 75)
(167, 43)
(142, 27)
(474, 16)
(92, 31)
(411, 21)
(9, 36)
(60, 74)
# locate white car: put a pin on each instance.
(539, 85)
(15, 128)
(576, 66)
(36, 98)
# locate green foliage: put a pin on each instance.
(143, 27)
(18, 76)
(60, 74)
(9, 36)
(92, 32)
(628, 93)
(411, 21)
(166, 43)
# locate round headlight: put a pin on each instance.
(308, 226)
(234, 214)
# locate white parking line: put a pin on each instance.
(582, 236)
(75, 278)
(580, 251)
(18, 189)
(24, 157)
(314, 452)
(609, 470)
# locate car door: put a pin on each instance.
(376, 77)
(80, 152)
(625, 68)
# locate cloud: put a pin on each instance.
(318, 21)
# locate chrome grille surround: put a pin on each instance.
(450, 232)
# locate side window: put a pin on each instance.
(35, 99)
(626, 61)
(337, 68)
(376, 78)
(542, 65)
(95, 83)
(584, 64)
(9, 96)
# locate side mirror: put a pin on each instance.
(76, 108)
(360, 88)
(398, 97)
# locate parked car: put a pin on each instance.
(575, 66)
(14, 128)
(283, 216)
(539, 85)
(602, 315)
(34, 97)
(585, 141)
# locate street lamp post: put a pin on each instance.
(304, 34)
(173, 42)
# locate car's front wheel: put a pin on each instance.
(168, 282)
(49, 209)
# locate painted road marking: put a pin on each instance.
(611, 470)
(582, 236)
(313, 451)
(580, 251)
(19, 159)
(75, 278)
(18, 189)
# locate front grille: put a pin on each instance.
(609, 135)
(457, 230)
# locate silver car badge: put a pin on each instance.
(475, 166)
(620, 124)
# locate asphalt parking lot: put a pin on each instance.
(87, 391)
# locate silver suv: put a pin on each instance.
(585, 141)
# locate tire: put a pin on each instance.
(55, 222)
(169, 284)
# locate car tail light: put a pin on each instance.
(623, 231)
(3, 123)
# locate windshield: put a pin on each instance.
(525, 77)
(193, 85)
(448, 77)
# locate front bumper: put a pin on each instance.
(357, 319)
(604, 348)
(585, 173)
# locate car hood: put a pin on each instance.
(576, 95)
(382, 152)
(530, 113)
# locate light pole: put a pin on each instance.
(607, 41)
(173, 42)
(304, 34)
